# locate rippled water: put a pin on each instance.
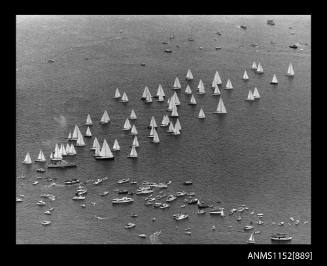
(259, 154)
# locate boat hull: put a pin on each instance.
(104, 158)
(61, 166)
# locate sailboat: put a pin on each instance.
(161, 98)
(134, 130)
(135, 142)
(256, 94)
(165, 121)
(145, 92)
(201, 89)
(88, 132)
(216, 91)
(201, 114)
(171, 103)
(216, 80)
(188, 90)
(153, 122)
(259, 68)
(254, 66)
(117, 94)
(80, 140)
(105, 153)
(132, 115)
(274, 80)
(290, 70)
(27, 159)
(229, 85)
(97, 151)
(160, 92)
(57, 154)
(171, 127)
(69, 136)
(250, 96)
(221, 107)
(251, 239)
(105, 118)
(88, 120)
(124, 98)
(245, 75)
(63, 150)
(68, 148)
(116, 146)
(148, 97)
(155, 139)
(177, 84)
(41, 158)
(176, 131)
(51, 155)
(174, 112)
(127, 125)
(176, 99)
(71, 150)
(75, 133)
(133, 153)
(178, 124)
(192, 100)
(189, 75)
(95, 144)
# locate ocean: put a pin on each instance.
(258, 154)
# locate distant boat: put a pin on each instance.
(80, 140)
(88, 120)
(176, 99)
(254, 66)
(176, 131)
(192, 100)
(188, 90)
(216, 91)
(155, 136)
(256, 94)
(165, 121)
(189, 75)
(178, 124)
(88, 132)
(221, 107)
(161, 98)
(174, 112)
(134, 130)
(244, 27)
(95, 144)
(57, 154)
(132, 115)
(171, 103)
(290, 70)
(27, 159)
(259, 68)
(229, 85)
(168, 51)
(216, 80)
(153, 122)
(105, 153)
(116, 146)
(63, 150)
(160, 92)
(271, 22)
(251, 239)
(151, 132)
(172, 36)
(135, 142)
(279, 237)
(171, 127)
(245, 76)
(75, 133)
(201, 114)
(274, 80)
(145, 92)
(127, 125)
(148, 97)
(133, 153)
(105, 118)
(69, 136)
(201, 89)
(117, 94)
(250, 96)
(40, 158)
(124, 98)
(177, 84)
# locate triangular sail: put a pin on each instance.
(63, 150)
(133, 115)
(116, 146)
(69, 136)
(188, 90)
(201, 87)
(250, 96)
(221, 107)
(73, 151)
(216, 80)
(274, 80)
(174, 112)
(201, 113)
(51, 155)
(124, 98)
(127, 125)
(161, 98)
(80, 140)
(148, 97)
(165, 121)
(117, 94)
(254, 66)
(171, 103)
(178, 124)
(68, 148)
(88, 120)
(75, 133)
(259, 68)
(192, 100)
(171, 127)
(145, 92)
(245, 75)
(151, 132)
(27, 159)
(290, 70)
(251, 239)
(105, 117)
(189, 75)
(160, 91)
(133, 152)
(155, 137)
(134, 130)
(256, 94)
(177, 84)
(105, 151)
(97, 151)
(153, 122)
(88, 132)
(216, 91)
(176, 99)
(229, 84)
(95, 143)
(135, 142)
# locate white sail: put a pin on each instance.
(72, 148)
(155, 137)
(97, 151)
(75, 133)
(124, 98)
(245, 75)
(27, 159)
(95, 143)
(57, 154)
(165, 121)
(133, 153)
(201, 114)
(88, 132)
(176, 99)
(151, 132)
(216, 80)
(177, 84)
(221, 107)
(171, 127)
(290, 70)
(133, 115)
(127, 125)
(146, 90)
(256, 94)
(63, 150)
(135, 142)
(161, 98)
(192, 100)
(88, 120)
(254, 66)
(105, 150)
(201, 87)
(117, 94)
(274, 80)
(189, 75)
(105, 118)
(116, 146)
(250, 96)
(153, 122)
(259, 68)
(171, 103)
(134, 130)
(160, 91)
(174, 112)
(51, 155)
(148, 97)
(69, 136)
(188, 90)
(251, 239)
(216, 91)
(67, 148)
(176, 131)
(178, 124)
(41, 157)
(229, 85)
(80, 140)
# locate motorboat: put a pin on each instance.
(231, 212)
(193, 201)
(219, 211)
(79, 197)
(72, 181)
(45, 223)
(47, 212)
(259, 222)
(35, 182)
(202, 205)
(164, 206)
(180, 193)
(19, 200)
(97, 181)
(280, 237)
(40, 170)
(180, 216)
(170, 198)
(123, 191)
(122, 181)
(142, 235)
(200, 212)
(104, 193)
(122, 200)
(143, 191)
(134, 215)
(41, 203)
(157, 204)
(248, 227)
(130, 225)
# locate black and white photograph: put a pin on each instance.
(163, 129)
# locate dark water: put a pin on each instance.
(258, 154)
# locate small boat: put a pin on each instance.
(45, 223)
(180, 216)
(244, 27)
(271, 22)
(221, 107)
(188, 182)
(27, 159)
(217, 47)
(274, 80)
(142, 64)
(177, 84)
(164, 206)
(188, 90)
(251, 239)
(104, 193)
(47, 212)
(35, 182)
(189, 75)
(193, 201)
(88, 133)
(122, 181)
(51, 61)
(281, 223)
(229, 85)
(83, 205)
(192, 100)
(142, 235)
(41, 158)
(133, 153)
(200, 212)
(254, 66)
(280, 237)
(290, 70)
(171, 198)
(19, 200)
(293, 46)
(97, 181)
(248, 227)
(134, 215)
(129, 226)
(245, 76)
(124, 98)
(259, 69)
(79, 197)
(72, 181)
(61, 164)
(260, 222)
(201, 89)
(168, 51)
(202, 205)
(239, 218)
(123, 191)
(250, 96)
(143, 192)
(132, 116)
(41, 203)
(117, 94)
(123, 200)
(256, 94)
(40, 170)
(180, 193)
(219, 211)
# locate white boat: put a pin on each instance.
(165, 121)
(216, 91)
(177, 84)
(95, 144)
(281, 237)
(219, 211)
(41, 157)
(129, 226)
(155, 137)
(27, 159)
(148, 97)
(135, 142)
(133, 153)
(75, 133)
(41, 203)
(180, 216)
(254, 66)
(221, 107)
(79, 197)
(251, 239)
(80, 140)
(63, 150)
(216, 80)
(201, 89)
(88, 132)
(274, 80)
(248, 227)
(178, 125)
(105, 153)
(19, 200)
(134, 130)
(72, 150)
(160, 92)
(145, 92)
(201, 114)
(245, 75)
(69, 136)
(153, 122)
(290, 70)
(105, 118)
(122, 200)
(45, 223)
(229, 85)
(250, 96)
(176, 131)
(192, 100)
(88, 120)
(116, 146)
(127, 125)
(117, 94)
(132, 115)
(124, 98)
(188, 89)
(142, 235)
(256, 94)
(174, 112)
(189, 75)
(259, 68)
(57, 156)
(171, 127)
(176, 99)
